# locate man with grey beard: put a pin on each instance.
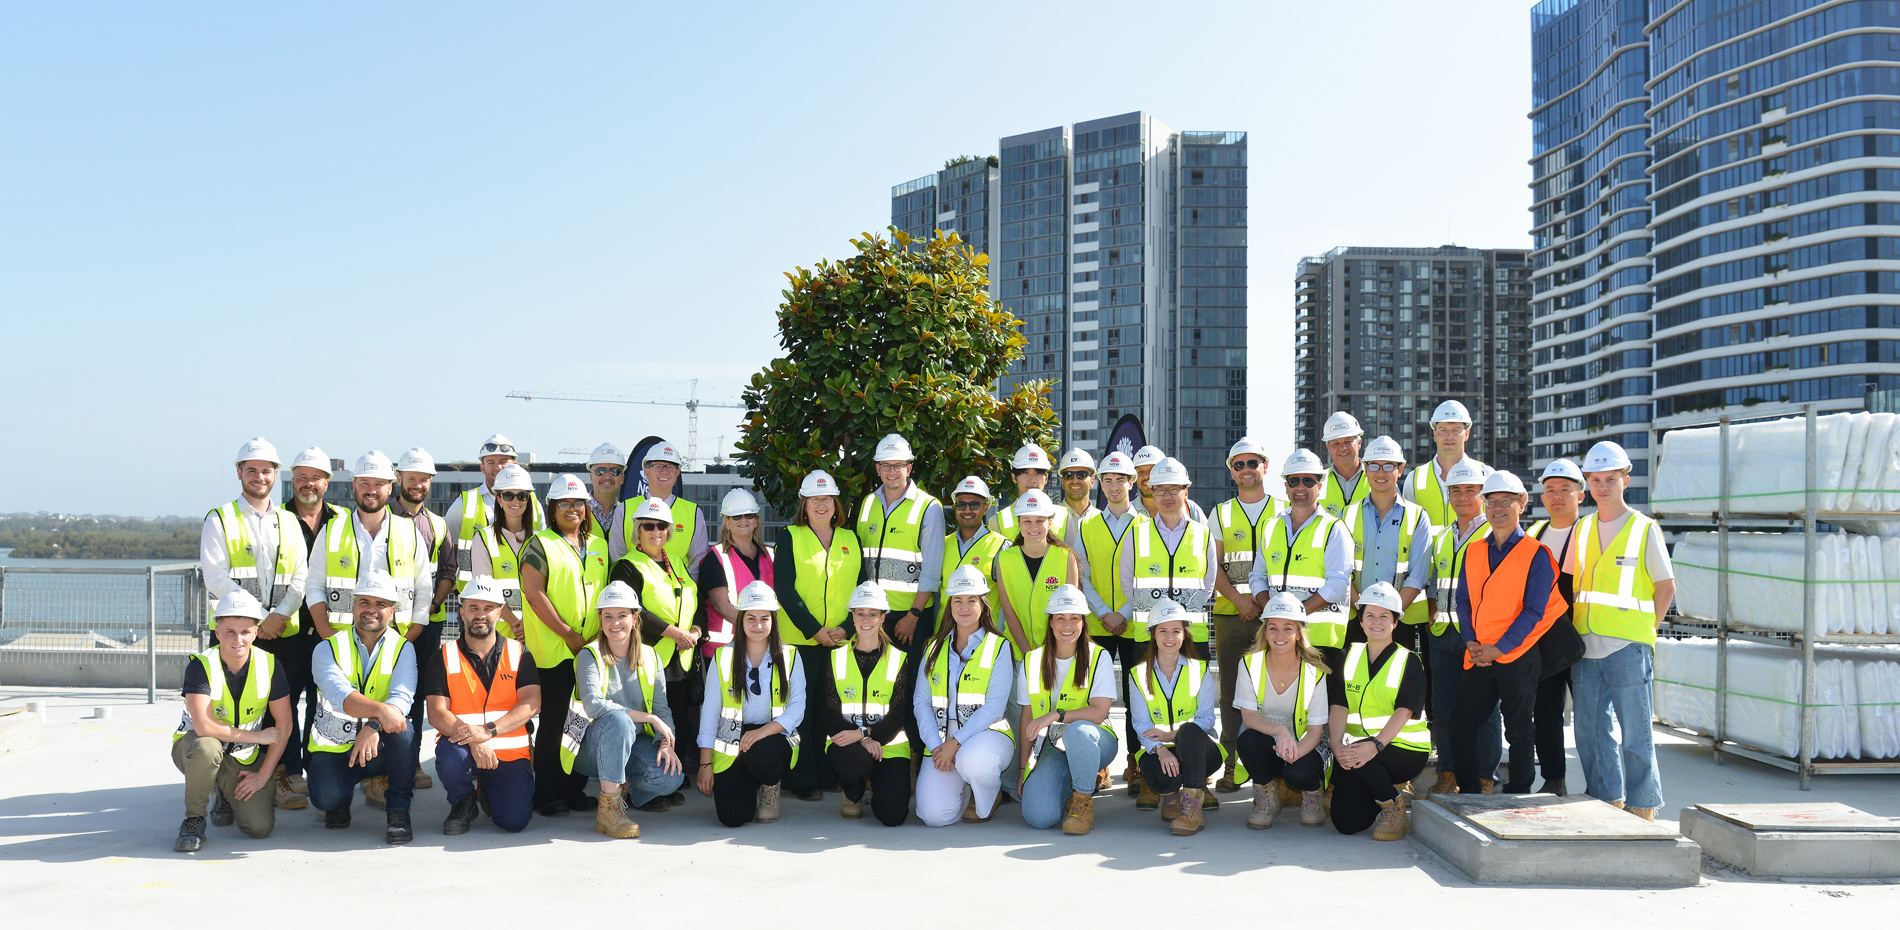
(309, 482)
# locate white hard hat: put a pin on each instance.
(967, 579)
(649, 509)
(1246, 446)
(663, 452)
(1563, 468)
(377, 584)
(312, 457)
(1285, 606)
(818, 484)
(1302, 462)
(1117, 464)
(1165, 610)
(1030, 456)
(1340, 426)
(1148, 455)
(513, 478)
(1169, 472)
(1382, 594)
(893, 448)
(374, 464)
(1467, 471)
(259, 449)
(1606, 456)
(1067, 599)
(1034, 503)
(757, 596)
(738, 503)
(240, 603)
(1076, 458)
(1451, 411)
(570, 487)
(484, 588)
(1383, 449)
(416, 459)
(868, 594)
(1502, 482)
(606, 454)
(617, 594)
(497, 445)
(973, 485)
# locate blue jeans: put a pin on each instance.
(616, 750)
(509, 786)
(1445, 658)
(1618, 682)
(1060, 771)
(332, 778)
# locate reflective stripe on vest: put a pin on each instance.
(1177, 576)
(1448, 563)
(574, 581)
(670, 597)
(333, 730)
(241, 551)
(343, 565)
(1104, 551)
(891, 544)
(244, 711)
(577, 720)
(1377, 700)
(1240, 537)
(1615, 595)
(824, 579)
(1333, 500)
(475, 704)
(1299, 568)
(731, 725)
(1308, 677)
(974, 680)
(504, 565)
(866, 700)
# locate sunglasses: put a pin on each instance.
(1077, 475)
(973, 505)
(497, 448)
(753, 675)
(569, 504)
(1244, 464)
(515, 495)
(609, 471)
(1302, 481)
(652, 526)
(1383, 466)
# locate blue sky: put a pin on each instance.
(359, 226)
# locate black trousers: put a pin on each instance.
(1264, 765)
(1196, 752)
(293, 653)
(428, 647)
(686, 696)
(1511, 689)
(1357, 792)
(888, 779)
(1549, 717)
(814, 768)
(736, 790)
(1126, 653)
(550, 782)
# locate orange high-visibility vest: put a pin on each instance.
(1493, 611)
(476, 705)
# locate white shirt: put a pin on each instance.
(1103, 685)
(1279, 705)
(214, 557)
(374, 550)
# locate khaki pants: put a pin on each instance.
(1233, 637)
(204, 762)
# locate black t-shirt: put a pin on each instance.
(1411, 688)
(197, 683)
(435, 675)
(1034, 564)
(713, 575)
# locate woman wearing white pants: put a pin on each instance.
(961, 707)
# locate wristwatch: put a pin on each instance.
(490, 728)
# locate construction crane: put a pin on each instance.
(692, 403)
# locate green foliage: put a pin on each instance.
(900, 338)
(990, 160)
(69, 537)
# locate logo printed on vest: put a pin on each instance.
(1154, 569)
(1276, 556)
(344, 561)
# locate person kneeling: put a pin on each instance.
(1280, 692)
(227, 691)
(480, 697)
(1064, 735)
(1176, 697)
(959, 713)
(620, 728)
(1379, 742)
(870, 684)
(755, 700)
(366, 681)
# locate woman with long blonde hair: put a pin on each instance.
(1280, 692)
(627, 739)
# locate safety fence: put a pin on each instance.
(82, 625)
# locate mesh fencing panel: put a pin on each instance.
(104, 613)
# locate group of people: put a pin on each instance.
(922, 663)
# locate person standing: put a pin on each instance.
(366, 680)
(669, 611)
(563, 570)
(959, 704)
(309, 484)
(250, 544)
(815, 568)
(1506, 600)
(749, 728)
(500, 545)
(1173, 559)
(606, 472)
(1345, 486)
(1238, 522)
(900, 535)
(415, 474)
(1067, 690)
(481, 692)
(1032, 570)
(1145, 460)
(473, 508)
(620, 727)
(1306, 552)
(1283, 708)
(1387, 531)
(1100, 542)
(1562, 496)
(1445, 645)
(738, 559)
(1077, 475)
(1427, 487)
(222, 741)
(1029, 469)
(661, 466)
(1172, 694)
(1624, 583)
(973, 543)
(865, 714)
(1379, 742)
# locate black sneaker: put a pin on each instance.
(582, 802)
(223, 815)
(398, 832)
(338, 819)
(809, 794)
(677, 797)
(461, 816)
(552, 809)
(661, 803)
(191, 835)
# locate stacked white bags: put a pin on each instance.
(1858, 589)
(1857, 456)
(1855, 688)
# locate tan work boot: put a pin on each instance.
(1102, 780)
(1266, 805)
(851, 810)
(1312, 808)
(1171, 806)
(1647, 813)
(1148, 800)
(768, 804)
(1488, 785)
(297, 782)
(422, 778)
(1081, 817)
(1447, 783)
(1208, 801)
(375, 791)
(1288, 796)
(970, 814)
(1132, 777)
(287, 799)
(610, 817)
(1391, 822)
(1190, 822)
(1226, 783)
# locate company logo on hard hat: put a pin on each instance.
(819, 481)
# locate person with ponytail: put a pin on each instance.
(1067, 687)
(865, 712)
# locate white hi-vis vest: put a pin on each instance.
(577, 720)
(1614, 593)
(1300, 569)
(242, 552)
(1239, 540)
(1176, 576)
(343, 565)
(866, 700)
(334, 731)
(972, 685)
(891, 545)
(1370, 704)
(731, 726)
(243, 711)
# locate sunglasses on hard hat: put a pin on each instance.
(497, 448)
(1077, 474)
(608, 471)
(1302, 481)
(515, 495)
(1244, 464)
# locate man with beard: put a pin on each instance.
(366, 680)
(481, 694)
(415, 474)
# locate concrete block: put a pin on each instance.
(1805, 853)
(1667, 861)
(19, 731)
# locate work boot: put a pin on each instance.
(808, 794)
(376, 791)
(768, 804)
(582, 802)
(296, 780)
(1405, 790)
(1447, 783)
(1081, 817)
(679, 797)
(1391, 822)
(287, 798)
(1102, 780)
(610, 816)
(849, 809)
(1148, 800)
(1553, 786)
(1190, 822)
(553, 809)
(1647, 813)
(969, 809)
(1289, 796)
(422, 778)
(1208, 801)
(1312, 809)
(1226, 784)
(1131, 776)
(398, 832)
(222, 815)
(338, 819)
(1488, 785)
(191, 835)
(461, 816)
(657, 805)
(1616, 804)
(1171, 806)
(1266, 806)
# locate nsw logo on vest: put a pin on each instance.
(1050, 582)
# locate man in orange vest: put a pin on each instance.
(1505, 603)
(481, 695)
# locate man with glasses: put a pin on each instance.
(1388, 532)
(1099, 543)
(1172, 560)
(1237, 525)
(1304, 551)
(900, 539)
(606, 472)
(1145, 460)
(1426, 487)
(1077, 474)
(1345, 484)
(661, 466)
(475, 508)
(973, 543)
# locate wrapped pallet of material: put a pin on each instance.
(1857, 457)
(1854, 693)
(1856, 590)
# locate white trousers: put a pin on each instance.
(979, 769)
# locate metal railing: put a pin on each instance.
(106, 616)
